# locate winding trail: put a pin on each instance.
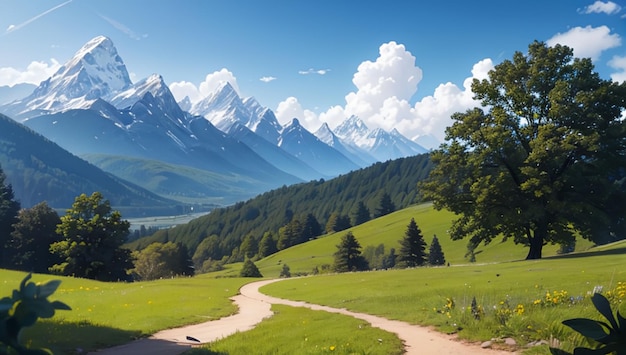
(255, 306)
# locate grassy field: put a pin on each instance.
(525, 300)
(303, 331)
(115, 313)
(388, 231)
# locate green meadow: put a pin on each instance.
(105, 314)
(525, 300)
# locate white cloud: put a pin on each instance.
(35, 73)
(313, 71)
(382, 99)
(587, 42)
(267, 79)
(393, 74)
(608, 8)
(180, 89)
(290, 108)
(618, 63)
(212, 81)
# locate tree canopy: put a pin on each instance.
(544, 160)
(92, 236)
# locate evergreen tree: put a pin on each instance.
(249, 247)
(435, 253)
(92, 239)
(311, 228)
(31, 238)
(9, 209)
(348, 256)
(385, 206)
(412, 247)
(337, 222)
(285, 272)
(361, 215)
(249, 269)
(267, 245)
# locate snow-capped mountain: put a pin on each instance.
(357, 155)
(95, 71)
(90, 106)
(352, 129)
(225, 108)
(302, 144)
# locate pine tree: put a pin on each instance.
(348, 256)
(386, 206)
(361, 215)
(435, 253)
(285, 272)
(412, 247)
(267, 245)
(9, 208)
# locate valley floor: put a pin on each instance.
(255, 306)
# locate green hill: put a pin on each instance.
(274, 209)
(388, 230)
(40, 170)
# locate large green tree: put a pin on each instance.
(412, 247)
(544, 159)
(31, 238)
(91, 246)
(9, 209)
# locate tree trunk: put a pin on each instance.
(536, 241)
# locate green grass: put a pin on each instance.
(294, 330)
(389, 230)
(106, 314)
(419, 295)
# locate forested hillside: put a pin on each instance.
(274, 209)
(39, 170)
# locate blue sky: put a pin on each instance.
(396, 64)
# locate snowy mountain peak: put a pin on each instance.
(153, 84)
(95, 71)
(352, 129)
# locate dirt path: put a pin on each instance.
(255, 306)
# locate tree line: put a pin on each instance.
(85, 242)
(412, 253)
(286, 215)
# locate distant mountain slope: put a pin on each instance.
(273, 209)
(39, 170)
(178, 182)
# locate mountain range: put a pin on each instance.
(91, 108)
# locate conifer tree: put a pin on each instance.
(412, 247)
(435, 253)
(9, 208)
(348, 256)
(361, 215)
(386, 206)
